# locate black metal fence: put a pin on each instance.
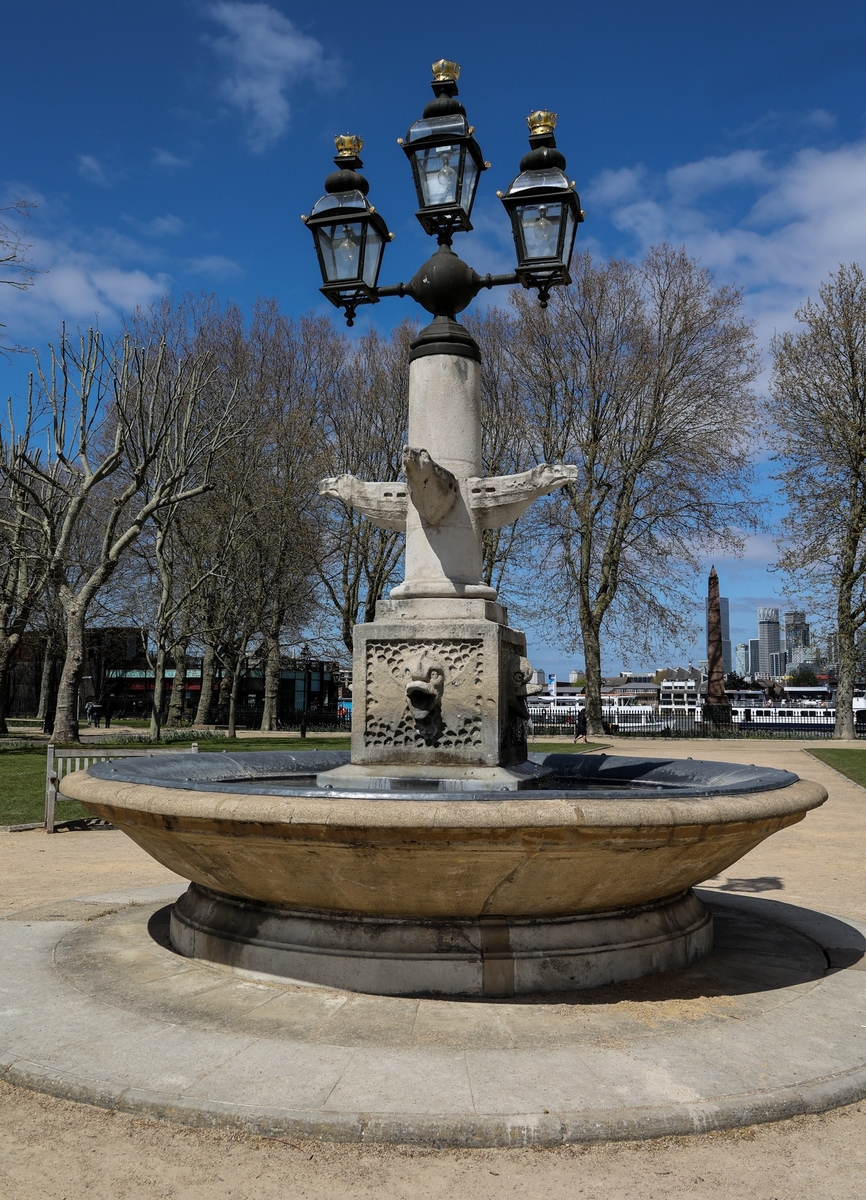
(316, 722)
(680, 726)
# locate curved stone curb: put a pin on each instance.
(78, 1023)
(517, 1130)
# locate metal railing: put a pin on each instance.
(667, 726)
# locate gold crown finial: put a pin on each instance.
(349, 145)
(541, 121)
(445, 71)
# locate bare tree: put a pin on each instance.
(365, 415)
(641, 375)
(31, 508)
(505, 447)
(819, 389)
(15, 268)
(125, 435)
(290, 367)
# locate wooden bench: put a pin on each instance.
(60, 763)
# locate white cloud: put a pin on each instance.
(166, 160)
(81, 277)
(92, 170)
(616, 186)
(775, 229)
(265, 55)
(166, 226)
(710, 174)
(816, 119)
(215, 266)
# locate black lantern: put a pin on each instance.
(544, 209)
(349, 234)
(446, 159)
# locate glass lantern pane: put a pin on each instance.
(340, 246)
(570, 228)
(444, 127)
(339, 200)
(470, 182)
(372, 256)
(539, 225)
(551, 177)
(437, 174)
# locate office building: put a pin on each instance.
(724, 612)
(741, 659)
(753, 657)
(797, 639)
(778, 664)
(769, 638)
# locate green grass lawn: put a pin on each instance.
(22, 771)
(847, 762)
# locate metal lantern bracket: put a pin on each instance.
(447, 162)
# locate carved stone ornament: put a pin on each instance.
(385, 504)
(424, 687)
(501, 499)
(433, 488)
(521, 685)
(423, 695)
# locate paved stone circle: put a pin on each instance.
(95, 1006)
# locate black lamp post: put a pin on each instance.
(305, 667)
(446, 163)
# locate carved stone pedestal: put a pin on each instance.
(439, 694)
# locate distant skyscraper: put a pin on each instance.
(741, 659)
(753, 656)
(727, 658)
(797, 638)
(769, 638)
(778, 664)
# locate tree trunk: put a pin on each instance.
(844, 727)
(592, 659)
(272, 685)
(158, 695)
(8, 645)
(5, 659)
(66, 719)
(233, 698)
(45, 680)
(224, 691)
(206, 694)
(178, 687)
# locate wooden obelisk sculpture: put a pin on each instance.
(717, 709)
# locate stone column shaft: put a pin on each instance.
(445, 420)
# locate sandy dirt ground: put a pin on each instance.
(54, 1150)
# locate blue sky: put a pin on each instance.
(173, 144)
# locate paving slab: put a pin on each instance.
(97, 1007)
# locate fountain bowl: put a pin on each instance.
(415, 889)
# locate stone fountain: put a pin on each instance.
(439, 857)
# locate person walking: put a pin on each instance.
(108, 713)
(580, 726)
(88, 711)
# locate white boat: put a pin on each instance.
(616, 714)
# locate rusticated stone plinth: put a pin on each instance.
(437, 692)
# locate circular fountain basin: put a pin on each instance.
(585, 879)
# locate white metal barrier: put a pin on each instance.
(59, 763)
